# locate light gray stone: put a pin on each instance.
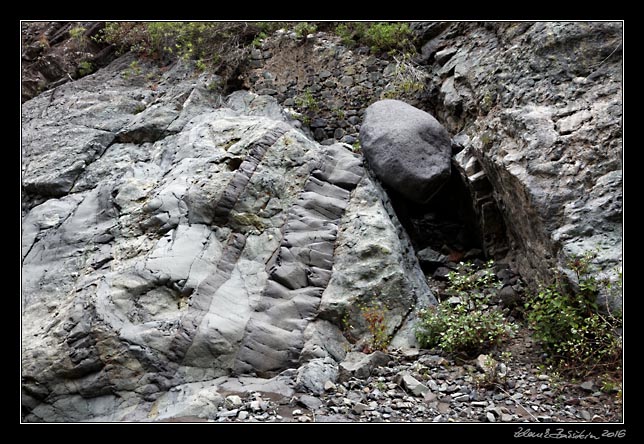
(233, 401)
(360, 365)
(411, 384)
(315, 374)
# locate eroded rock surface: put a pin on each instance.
(538, 109)
(175, 241)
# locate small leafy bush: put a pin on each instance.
(77, 33)
(302, 29)
(387, 36)
(350, 32)
(467, 278)
(569, 325)
(374, 317)
(85, 67)
(218, 46)
(306, 101)
(307, 105)
(379, 36)
(465, 323)
(459, 329)
(134, 69)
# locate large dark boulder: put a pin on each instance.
(408, 149)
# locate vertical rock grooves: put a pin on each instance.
(301, 271)
(245, 171)
(202, 297)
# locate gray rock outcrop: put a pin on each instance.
(536, 106)
(407, 148)
(539, 108)
(179, 246)
(176, 242)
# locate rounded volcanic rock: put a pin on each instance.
(407, 148)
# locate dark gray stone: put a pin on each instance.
(310, 402)
(349, 139)
(346, 81)
(430, 257)
(319, 134)
(407, 148)
(318, 122)
(509, 297)
(441, 273)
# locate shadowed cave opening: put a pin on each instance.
(448, 224)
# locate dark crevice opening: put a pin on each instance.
(447, 224)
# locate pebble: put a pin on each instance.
(359, 408)
(233, 401)
(227, 413)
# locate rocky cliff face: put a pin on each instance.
(172, 236)
(178, 244)
(535, 107)
(538, 108)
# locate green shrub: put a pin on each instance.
(257, 41)
(457, 328)
(351, 32)
(85, 67)
(387, 36)
(306, 101)
(379, 36)
(77, 33)
(569, 325)
(302, 29)
(370, 316)
(213, 45)
(465, 323)
(468, 278)
(307, 105)
(133, 70)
